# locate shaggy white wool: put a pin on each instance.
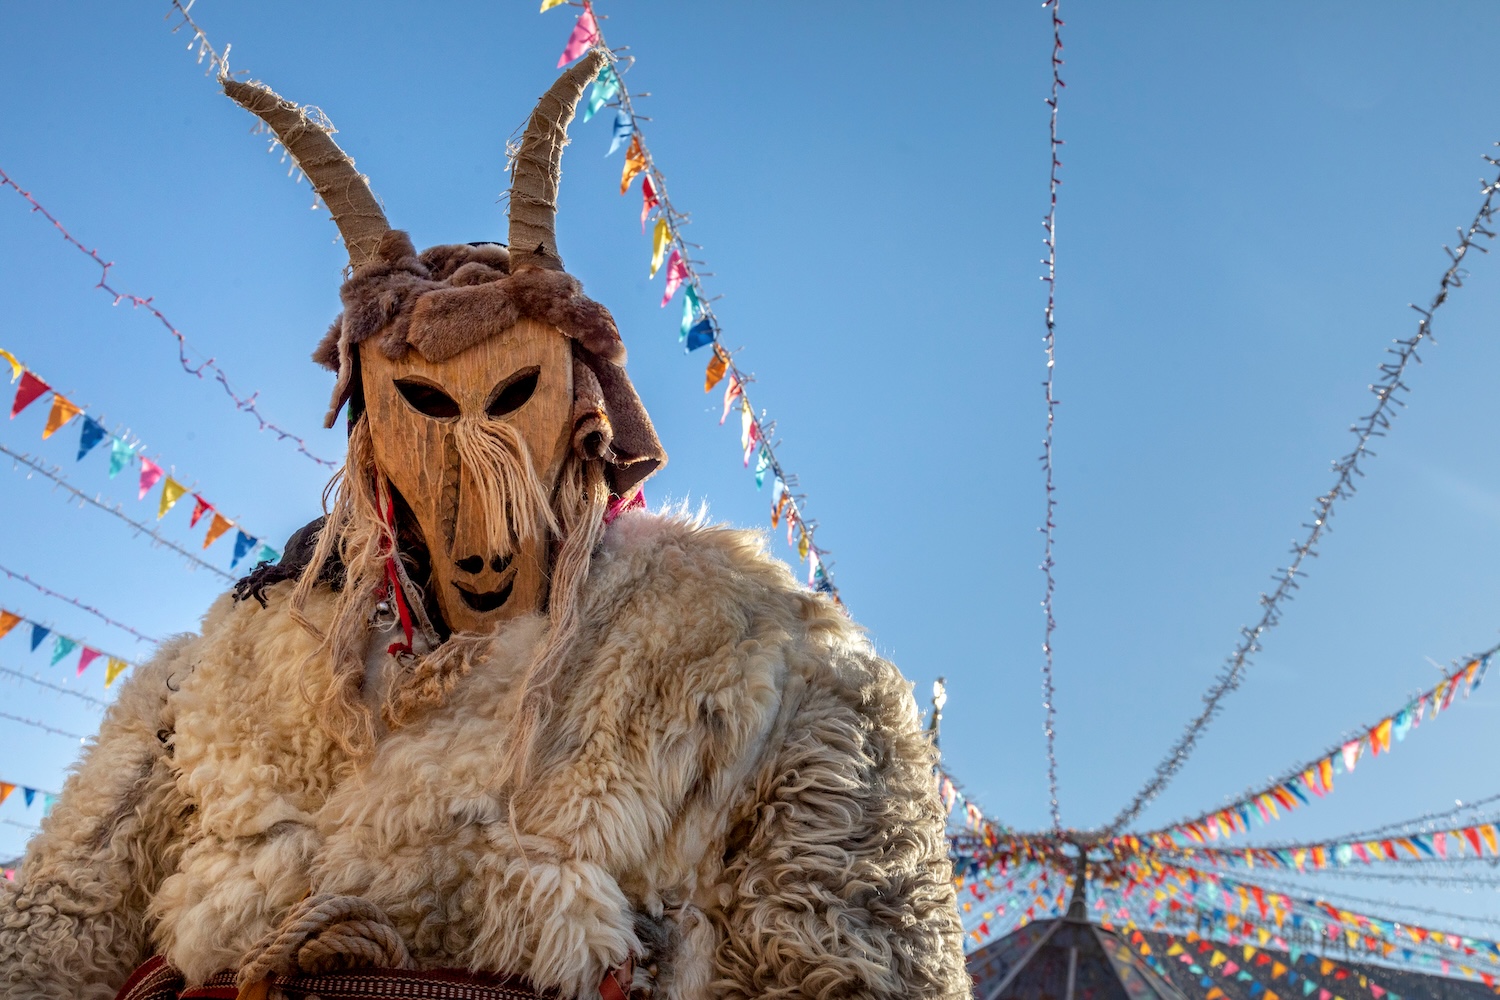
(732, 787)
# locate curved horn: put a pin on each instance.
(343, 189)
(538, 168)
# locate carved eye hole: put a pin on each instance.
(513, 393)
(427, 398)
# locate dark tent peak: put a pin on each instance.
(1071, 959)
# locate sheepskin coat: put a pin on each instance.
(733, 785)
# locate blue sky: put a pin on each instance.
(1252, 196)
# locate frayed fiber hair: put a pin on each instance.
(515, 508)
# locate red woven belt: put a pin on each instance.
(156, 980)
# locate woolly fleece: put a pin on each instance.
(733, 788)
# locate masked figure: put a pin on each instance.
(492, 730)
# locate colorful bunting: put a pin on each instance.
(93, 432)
(30, 389)
(151, 473)
(606, 86)
(200, 507)
(171, 492)
(113, 669)
(624, 128)
(63, 410)
(717, 366)
(677, 273)
(216, 528)
(120, 455)
(242, 544)
(648, 200)
(89, 655)
(16, 368)
(585, 34)
(701, 335)
(61, 647)
(659, 238)
(635, 164)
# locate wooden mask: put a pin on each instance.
(439, 441)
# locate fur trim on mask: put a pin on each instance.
(449, 298)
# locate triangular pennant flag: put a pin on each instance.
(62, 411)
(120, 455)
(635, 163)
(61, 647)
(648, 200)
(200, 507)
(8, 621)
(677, 273)
(659, 239)
(585, 33)
(689, 312)
(717, 366)
(113, 669)
(86, 657)
(216, 528)
(16, 368)
(171, 492)
(27, 392)
(151, 474)
(93, 432)
(732, 391)
(243, 543)
(29, 794)
(623, 128)
(701, 335)
(266, 555)
(549, 4)
(38, 633)
(5, 789)
(606, 86)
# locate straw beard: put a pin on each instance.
(515, 508)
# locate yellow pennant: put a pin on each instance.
(171, 492)
(549, 4)
(16, 369)
(8, 621)
(62, 412)
(659, 239)
(635, 163)
(113, 669)
(717, 366)
(802, 544)
(216, 527)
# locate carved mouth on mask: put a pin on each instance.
(485, 602)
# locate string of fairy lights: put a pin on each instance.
(1022, 876)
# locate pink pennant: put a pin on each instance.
(88, 656)
(151, 474)
(732, 392)
(648, 200)
(677, 273)
(585, 33)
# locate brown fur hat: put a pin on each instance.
(463, 295)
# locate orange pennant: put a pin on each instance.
(635, 163)
(5, 789)
(216, 527)
(717, 366)
(62, 412)
(8, 621)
